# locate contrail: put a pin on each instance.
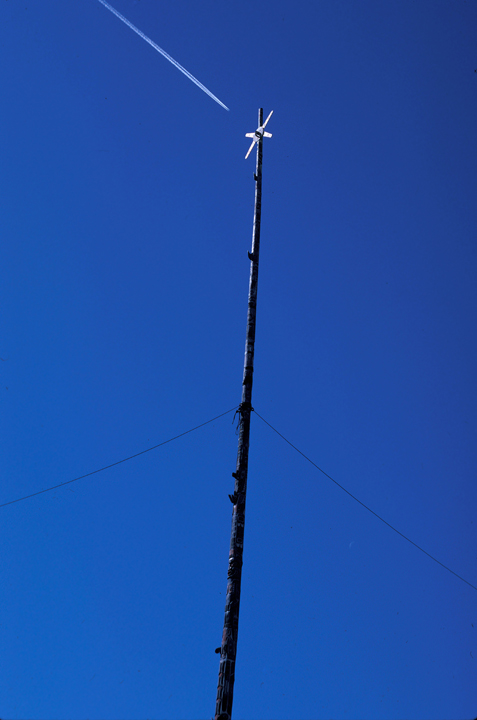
(163, 52)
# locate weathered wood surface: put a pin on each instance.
(228, 650)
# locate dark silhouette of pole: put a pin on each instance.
(228, 650)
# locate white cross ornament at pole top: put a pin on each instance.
(258, 134)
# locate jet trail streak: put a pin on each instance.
(163, 52)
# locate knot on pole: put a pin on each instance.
(235, 567)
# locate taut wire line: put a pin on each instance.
(118, 462)
(365, 506)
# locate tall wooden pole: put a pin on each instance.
(228, 650)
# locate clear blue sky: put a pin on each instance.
(125, 218)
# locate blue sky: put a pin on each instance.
(125, 217)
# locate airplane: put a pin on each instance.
(258, 134)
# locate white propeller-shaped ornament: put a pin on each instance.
(258, 135)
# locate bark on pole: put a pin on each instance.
(228, 651)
